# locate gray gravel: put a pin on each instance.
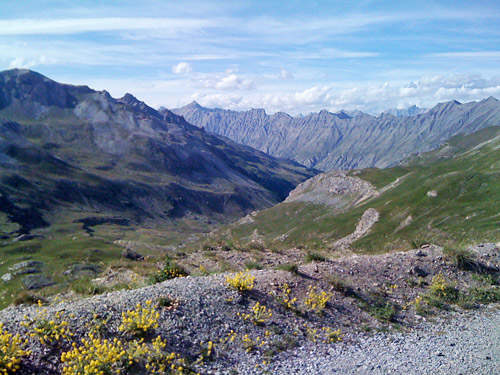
(460, 344)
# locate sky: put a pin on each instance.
(291, 56)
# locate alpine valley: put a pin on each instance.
(158, 245)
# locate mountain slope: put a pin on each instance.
(330, 141)
(450, 194)
(70, 147)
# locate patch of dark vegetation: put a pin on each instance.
(289, 267)
(252, 265)
(314, 257)
(28, 218)
(26, 298)
(89, 222)
(170, 270)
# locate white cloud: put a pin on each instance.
(221, 100)
(227, 80)
(82, 25)
(468, 55)
(21, 63)
(285, 74)
(372, 98)
(182, 68)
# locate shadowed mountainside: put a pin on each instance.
(70, 148)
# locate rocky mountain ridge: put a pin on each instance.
(329, 141)
(70, 147)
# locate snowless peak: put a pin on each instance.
(194, 104)
(490, 99)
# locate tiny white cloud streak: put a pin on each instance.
(468, 55)
(285, 74)
(81, 25)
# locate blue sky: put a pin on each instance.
(291, 56)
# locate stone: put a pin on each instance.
(132, 255)
(7, 277)
(27, 271)
(37, 282)
(79, 271)
(432, 193)
(27, 264)
(420, 253)
(486, 250)
(27, 237)
(418, 271)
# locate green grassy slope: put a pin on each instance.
(465, 173)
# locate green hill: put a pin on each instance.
(448, 195)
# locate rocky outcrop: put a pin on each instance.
(365, 223)
(335, 188)
(347, 140)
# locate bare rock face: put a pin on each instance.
(335, 189)
(369, 217)
(345, 140)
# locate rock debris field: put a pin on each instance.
(293, 340)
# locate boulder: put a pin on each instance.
(486, 250)
(132, 255)
(418, 271)
(27, 271)
(37, 282)
(27, 264)
(82, 270)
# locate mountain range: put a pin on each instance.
(448, 196)
(346, 140)
(71, 149)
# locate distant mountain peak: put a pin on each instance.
(490, 99)
(130, 99)
(194, 104)
(343, 115)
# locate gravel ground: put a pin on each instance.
(455, 343)
(459, 344)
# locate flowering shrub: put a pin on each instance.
(442, 289)
(155, 359)
(140, 321)
(259, 315)
(169, 271)
(284, 297)
(332, 336)
(242, 281)
(95, 356)
(49, 331)
(11, 351)
(317, 301)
